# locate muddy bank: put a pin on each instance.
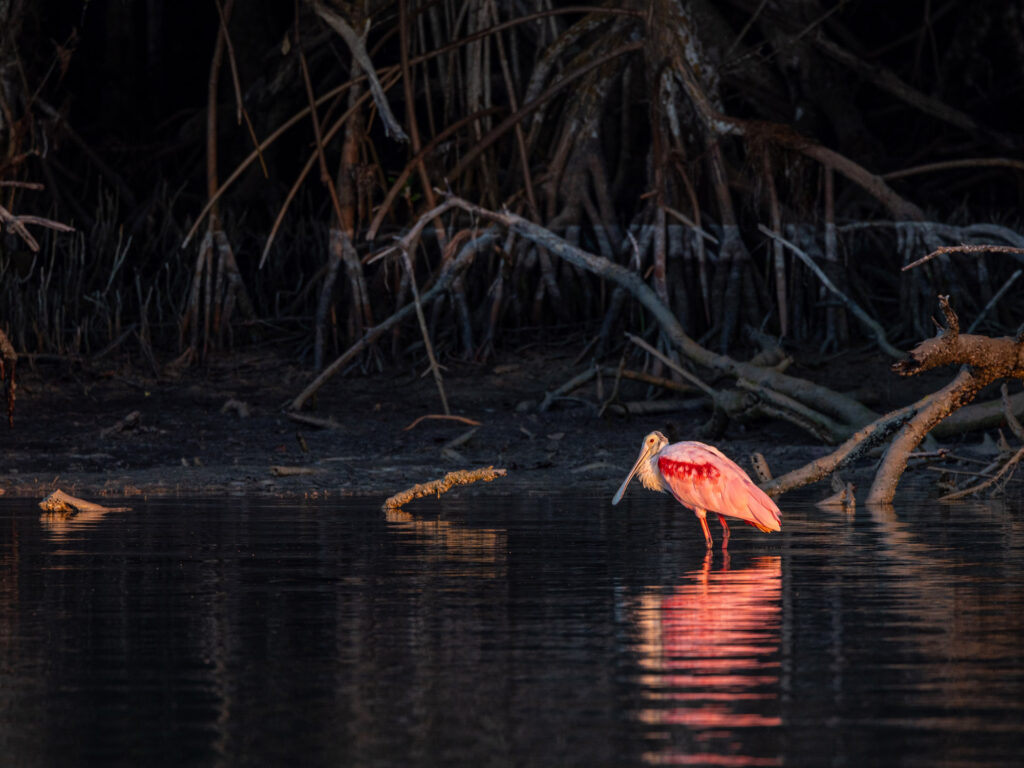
(221, 429)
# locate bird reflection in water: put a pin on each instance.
(710, 651)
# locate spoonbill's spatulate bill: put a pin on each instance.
(704, 479)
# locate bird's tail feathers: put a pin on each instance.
(767, 516)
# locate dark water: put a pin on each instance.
(491, 632)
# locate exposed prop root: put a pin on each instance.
(62, 503)
(872, 325)
(437, 487)
(845, 412)
(445, 279)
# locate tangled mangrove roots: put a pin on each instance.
(749, 161)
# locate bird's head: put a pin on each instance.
(653, 443)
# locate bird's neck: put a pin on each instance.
(650, 475)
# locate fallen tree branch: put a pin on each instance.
(987, 415)
(983, 361)
(706, 389)
(861, 441)
(437, 487)
(848, 411)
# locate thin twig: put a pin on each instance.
(435, 369)
(994, 300)
(992, 480)
(445, 416)
(947, 165)
(681, 371)
(962, 249)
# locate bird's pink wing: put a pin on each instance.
(701, 476)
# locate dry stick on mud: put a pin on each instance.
(846, 413)
(444, 417)
(437, 487)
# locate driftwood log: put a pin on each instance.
(449, 481)
(60, 503)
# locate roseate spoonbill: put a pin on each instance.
(702, 478)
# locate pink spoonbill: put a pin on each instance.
(704, 479)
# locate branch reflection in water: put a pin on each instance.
(66, 529)
(710, 651)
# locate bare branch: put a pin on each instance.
(963, 249)
(357, 44)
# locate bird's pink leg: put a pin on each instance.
(725, 531)
(702, 516)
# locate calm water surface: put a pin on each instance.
(491, 632)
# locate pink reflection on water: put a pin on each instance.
(709, 648)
